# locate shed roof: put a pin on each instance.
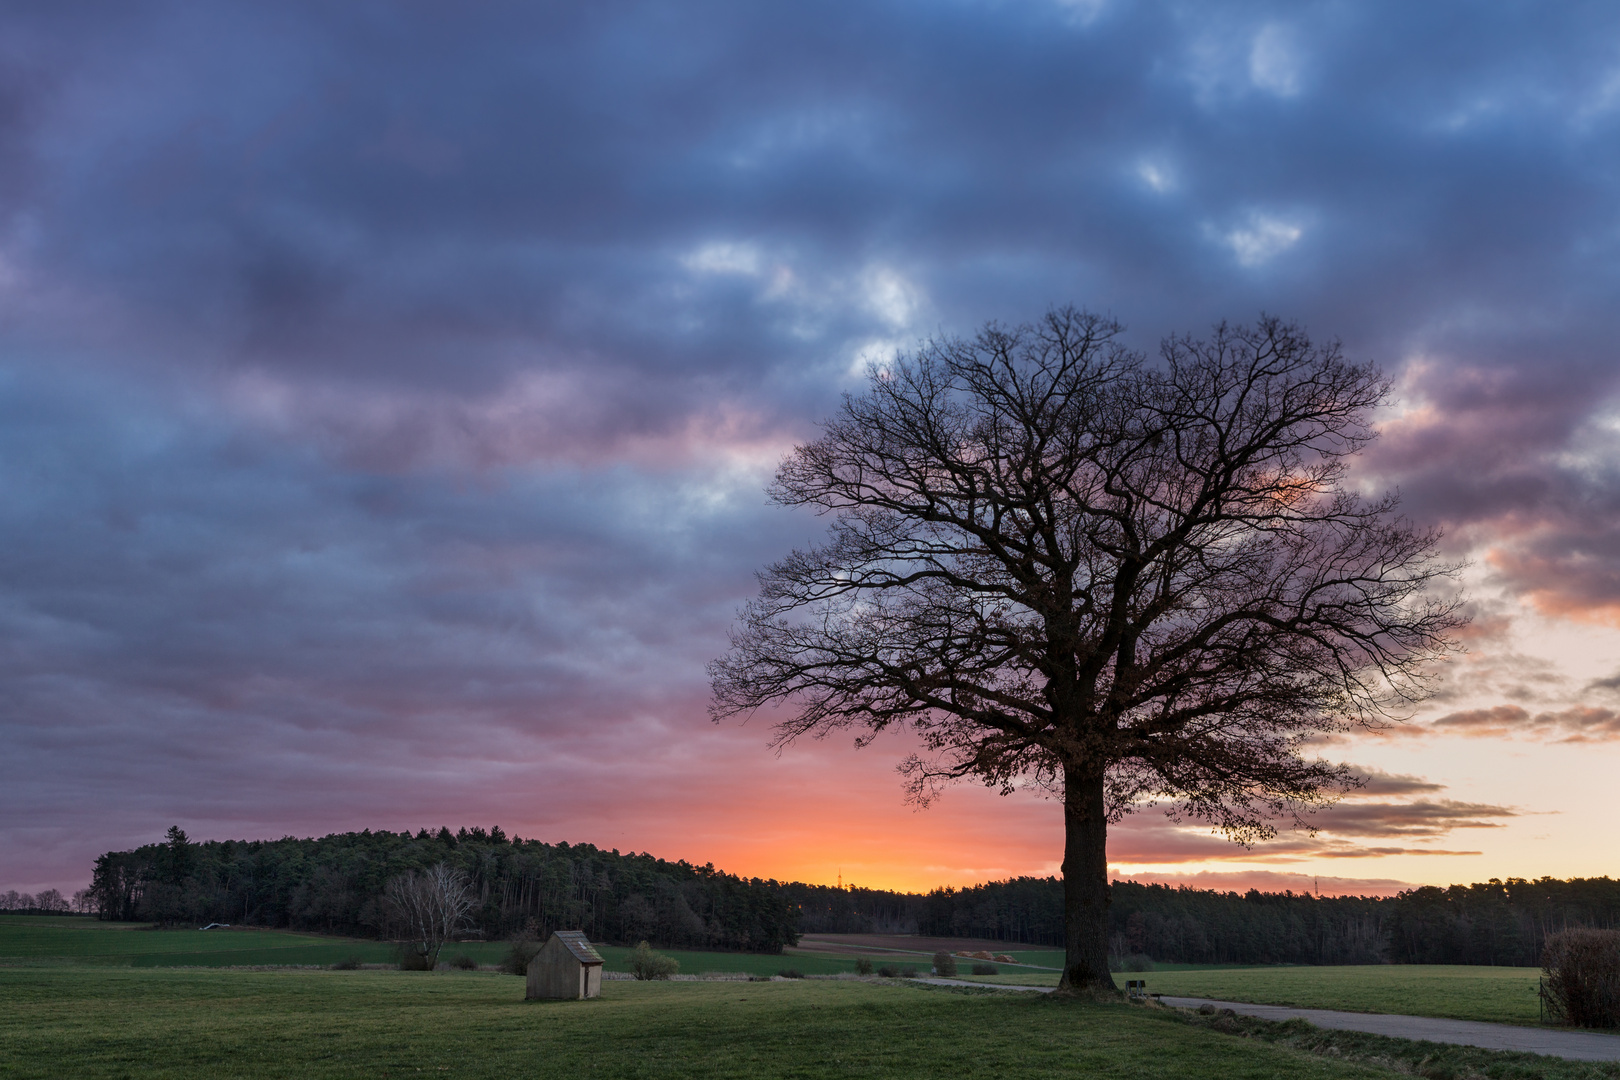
(577, 944)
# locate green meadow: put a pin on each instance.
(117, 1022)
(1499, 994)
(104, 1000)
(56, 940)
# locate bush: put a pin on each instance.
(944, 964)
(646, 964)
(464, 963)
(984, 969)
(1139, 962)
(908, 972)
(863, 965)
(348, 963)
(518, 954)
(412, 958)
(1582, 983)
(889, 971)
(791, 973)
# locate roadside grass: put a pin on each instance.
(115, 1022)
(1499, 994)
(1442, 1061)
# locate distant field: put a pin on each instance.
(95, 1023)
(1506, 995)
(902, 948)
(40, 939)
(1466, 993)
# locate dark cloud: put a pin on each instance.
(1378, 782)
(387, 391)
(1381, 810)
(1577, 724)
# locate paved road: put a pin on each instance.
(1576, 1045)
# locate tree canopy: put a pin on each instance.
(1124, 582)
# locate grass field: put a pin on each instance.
(87, 999)
(1504, 995)
(116, 1022)
(48, 940)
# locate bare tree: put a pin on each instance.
(431, 905)
(1124, 583)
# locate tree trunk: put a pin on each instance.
(1085, 885)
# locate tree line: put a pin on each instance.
(45, 902)
(336, 884)
(1495, 922)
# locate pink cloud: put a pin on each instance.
(1581, 723)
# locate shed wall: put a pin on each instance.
(555, 973)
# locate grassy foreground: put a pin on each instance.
(1503, 995)
(118, 1022)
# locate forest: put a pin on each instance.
(1495, 922)
(334, 884)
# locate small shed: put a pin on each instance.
(566, 967)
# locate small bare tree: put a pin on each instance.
(431, 906)
(1123, 582)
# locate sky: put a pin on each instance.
(388, 393)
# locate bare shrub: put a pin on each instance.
(348, 963)
(430, 906)
(984, 969)
(863, 965)
(944, 964)
(464, 963)
(791, 973)
(1582, 984)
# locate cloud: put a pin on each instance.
(386, 402)
(1382, 810)
(1378, 782)
(1577, 724)
(1274, 61)
(1262, 239)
